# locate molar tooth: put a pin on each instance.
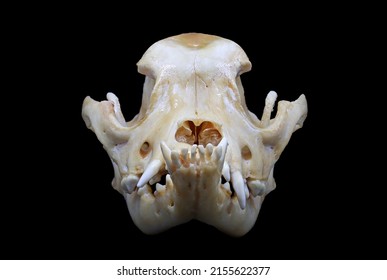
(129, 182)
(226, 171)
(257, 187)
(175, 159)
(167, 156)
(151, 170)
(238, 184)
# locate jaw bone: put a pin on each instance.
(194, 151)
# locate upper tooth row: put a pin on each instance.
(197, 154)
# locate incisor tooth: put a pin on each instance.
(239, 187)
(201, 153)
(175, 159)
(151, 170)
(257, 187)
(193, 153)
(209, 150)
(226, 171)
(129, 182)
(167, 155)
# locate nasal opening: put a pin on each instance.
(206, 132)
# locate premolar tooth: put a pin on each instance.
(155, 179)
(226, 171)
(175, 159)
(167, 155)
(145, 190)
(226, 186)
(151, 170)
(160, 188)
(247, 193)
(239, 187)
(129, 182)
(257, 187)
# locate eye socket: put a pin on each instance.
(246, 153)
(145, 149)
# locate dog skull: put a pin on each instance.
(194, 151)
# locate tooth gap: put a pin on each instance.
(163, 180)
(153, 187)
(232, 189)
(171, 203)
(223, 180)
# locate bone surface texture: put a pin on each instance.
(194, 151)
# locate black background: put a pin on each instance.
(59, 203)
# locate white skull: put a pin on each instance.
(194, 151)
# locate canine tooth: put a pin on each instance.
(226, 171)
(129, 182)
(151, 170)
(160, 188)
(257, 187)
(238, 184)
(167, 155)
(175, 159)
(201, 153)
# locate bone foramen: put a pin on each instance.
(194, 151)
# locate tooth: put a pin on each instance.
(168, 181)
(175, 159)
(155, 179)
(160, 188)
(185, 157)
(209, 150)
(145, 190)
(223, 144)
(167, 156)
(238, 184)
(226, 186)
(129, 182)
(151, 170)
(247, 193)
(226, 171)
(201, 153)
(193, 153)
(220, 154)
(257, 187)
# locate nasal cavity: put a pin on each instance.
(202, 134)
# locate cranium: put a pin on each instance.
(194, 151)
